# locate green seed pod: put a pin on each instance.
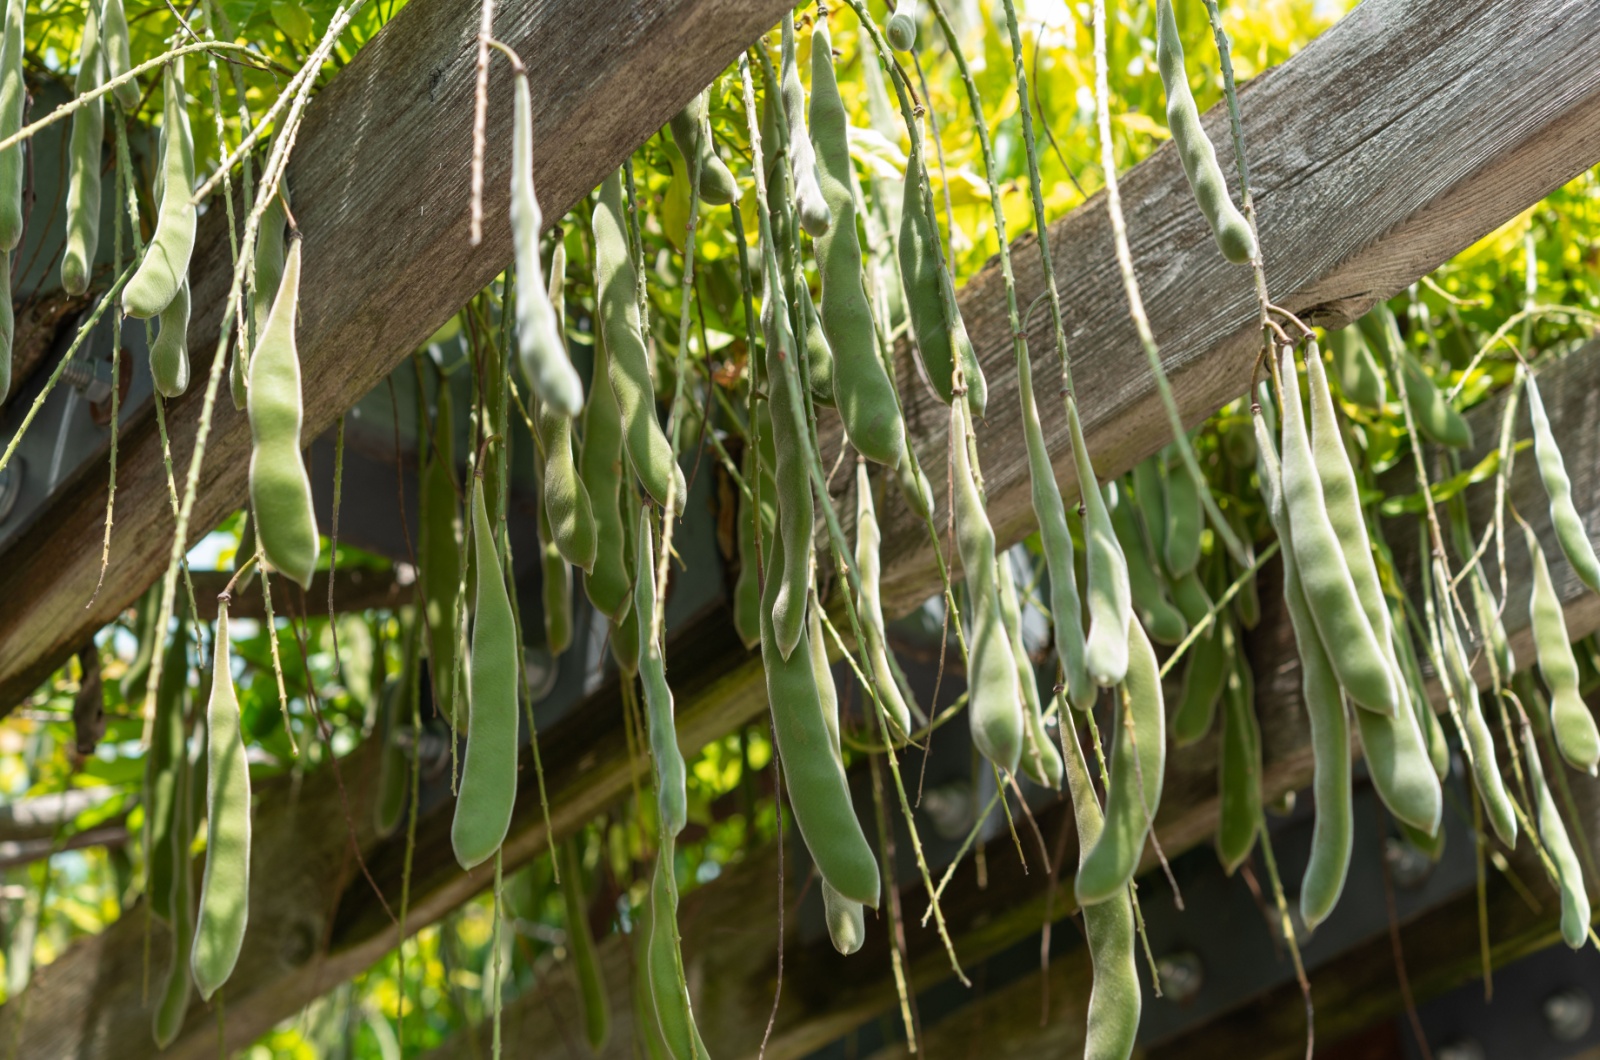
(489, 774)
(864, 394)
(398, 694)
(83, 163)
(813, 210)
(1333, 831)
(13, 99)
(1485, 769)
(993, 706)
(225, 889)
(819, 355)
(1210, 187)
(625, 643)
(747, 589)
(663, 967)
(268, 276)
(819, 792)
(176, 986)
(566, 501)
(671, 792)
(580, 943)
(870, 607)
(440, 576)
(541, 345)
(1342, 501)
(165, 263)
(791, 472)
(1553, 834)
(1138, 766)
(1342, 622)
(164, 766)
(555, 587)
(915, 488)
(280, 489)
(1114, 997)
(1055, 538)
(847, 921)
(1432, 732)
(1150, 501)
(169, 353)
(1432, 411)
(1575, 731)
(600, 469)
(1570, 534)
(1110, 599)
(901, 28)
(1040, 759)
(1210, 661)
(628, 361)
(1360, 378)
(115, 27)
(1238, 770)
(1185, 521)
(1163, 621)
(691, 129)
(922, 274)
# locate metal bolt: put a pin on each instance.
(1461, 1049)
(91, 378)
(1409, 866)
(1182, 975)
(1568, 1014)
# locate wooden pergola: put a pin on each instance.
(1400, 137)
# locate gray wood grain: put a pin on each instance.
(380, 184)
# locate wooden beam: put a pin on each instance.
(380, 186)
(355, 589)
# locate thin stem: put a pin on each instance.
(480, 121)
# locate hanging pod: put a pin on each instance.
(566, 501)
(627, 358)
(791, 472)
(169, 353)
(489, 774)
(815, 216)
(267, 276)
(1576, 735)
(862, 391)
(1040, 759)
(225, 888)
(165, 263)
(937, 327)
(114, 21)
(1570, 534)
(440, 576)
(901, 26)
(671, 791)
(1112, 1022)
(280, 489)
(1360, 378)
(397, 706)
(1330, 591)
(870, 608)
(580, 944)
(691, 130)
(1432, 411)
(83, 161)
(1199, 157)
(608, 584)
(758, 449)
(819, 791)
(1109, 598)
(555, 587)
(539, 340)
(1553, 834)
(1238, 769)
(1161, 620)
(670, 1024)
(164, 763)
(1210, 662)
(13, 100)
(1333, 831)
(846, 918)
(993, 704)
(1138, 762)
(173, 1002)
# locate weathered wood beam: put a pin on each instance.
(380, 186)
(356, 589)
(728, 936)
